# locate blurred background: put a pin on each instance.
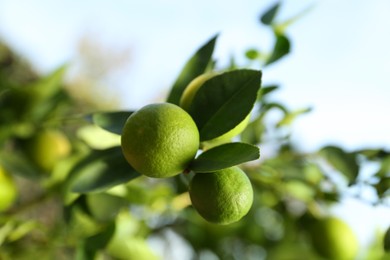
(126, 54)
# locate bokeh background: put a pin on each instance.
(128, 53)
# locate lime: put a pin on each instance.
(47, 147)
(186, 100)
(8, 191)
(160, 140)
(222, 197)
(334, 239)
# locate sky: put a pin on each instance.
(339, 63)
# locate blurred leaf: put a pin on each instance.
(386, 240)
(224, 156)
(265, 90)
(22, 230)
(281, 48)
(101, 170)
(268, 17)
(342, 161)
(49, 85)
(253, 132)
(17, 163)
(111, 121)
(103, 206)
(374, 154)
(223, 101)
(196, 66)
(280, 28)
(385, 168)
(98, 138)
(383, 187)
(252, 54)
(98, 241)
(269, 106)
(289, 118)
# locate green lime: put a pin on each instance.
(47, 147)
(222, 197)
(160, 140)
(8, 191)
(186, 100)
(334, 239)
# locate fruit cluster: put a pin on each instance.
(161, 140)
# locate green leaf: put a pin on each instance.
(223, 101)
(385, 168)
(281, 48)
(374, 154)
(17, 163)
(224, 156)
(386, 241)
(101, 170)
(383, 187)
(289, 118)
(49, 85)
(111, 121)
(252, 54)
(268, 17)
(99, 241)
(265, 90)
(196, 66)
(254, 131)
(342, 161)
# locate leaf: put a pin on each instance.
(385, 168)
(281, 48)
(386, 241)
(252, 54)
(223, 101)
(289, 118)
(101, 170)
(342, 161)
(99, 241)
(383, 187)
(17, 163)
(374, 154)
(253, 132)
(268, 17)
(111, 121)
(265, 90)
(49, 85)
(224, 156)
(196, 66)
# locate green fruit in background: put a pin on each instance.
(47, 147)
(8, 191)
(333, 239)
(222, 197)
(160, 140)
(103, 206)
(186, 100)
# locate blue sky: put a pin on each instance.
(339, 63)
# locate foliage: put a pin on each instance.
(93, 205)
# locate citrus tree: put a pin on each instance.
(76, 184)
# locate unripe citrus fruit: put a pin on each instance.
(48, 147)
(222, 197)
(186, 101)
(160, 140)
(8, 191)
(334, 239)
